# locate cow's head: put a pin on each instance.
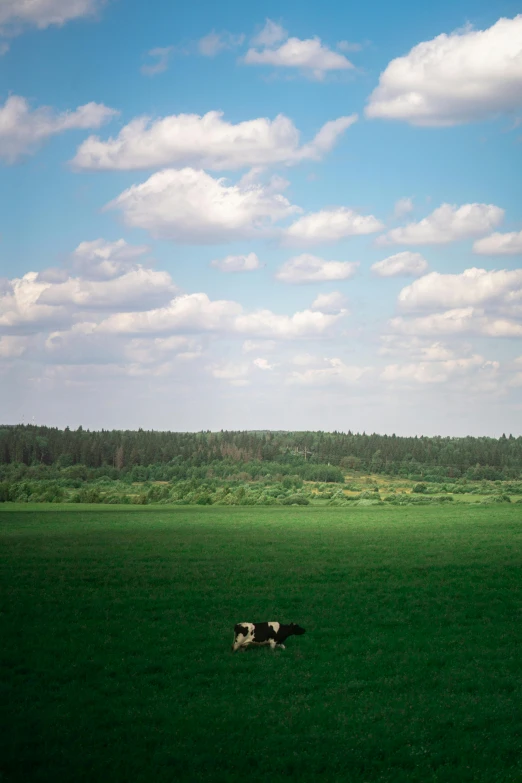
(297, 630)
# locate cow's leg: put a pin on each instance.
(272, 643)
(282, 646)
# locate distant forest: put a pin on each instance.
(125, 450)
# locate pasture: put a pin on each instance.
(117, 623)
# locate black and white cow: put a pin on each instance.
(272, 633)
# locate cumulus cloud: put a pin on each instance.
(330, 225)
(475, 301)
(311, 56)
(244, 263)
(161, 56)
(447, 223)
(207, 142)
(474, 369)
(192, 313)
(23, 129)
(213, 43)
(402, 207)
(306, 323)
(312, 269)
(500, 244)
(20, 308)
(153, 350)
(466, 76)
(190, 206)
(52, 300)
(186, 313)
(336, 372)
(335, 302)
(137, 289)
(16, 14)
(404, 264)
(473, 287)
(103, 260)
(263, 364)
(468, 320)
(416, 347)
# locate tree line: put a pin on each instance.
(425, 457)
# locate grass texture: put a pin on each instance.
(117, 624)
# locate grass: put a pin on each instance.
(117, 623)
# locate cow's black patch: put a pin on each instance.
(240, 629)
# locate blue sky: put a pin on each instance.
(131, 317)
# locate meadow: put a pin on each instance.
(117, 624)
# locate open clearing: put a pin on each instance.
(117, 624)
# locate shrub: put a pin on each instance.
(295, 500)
(420, 488)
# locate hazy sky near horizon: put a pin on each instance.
(227, 216)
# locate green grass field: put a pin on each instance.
(116, 629)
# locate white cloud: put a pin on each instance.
(500, 244)
(159, 349)
(193, 313)
(401, 265)
(4, 48)
(415, 347)
(263, 364)
(447, 223)
(330, 225)
(466, 76)
(473, 370)
(51, 300)
(466, 320)
(334, 302)
(213, 43)
(138, 289)
(23, 129)
(403, 206)
(190, 206)
(306, 323)
(336, 373)
(312, 269)
(311, 56)
(21, 311)
(44, 13)
(271, 34)
(476, 301)
(103, 260)
(207, 142)
(245, 263)
(161, 55)
(187, 313)
(473, 287)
